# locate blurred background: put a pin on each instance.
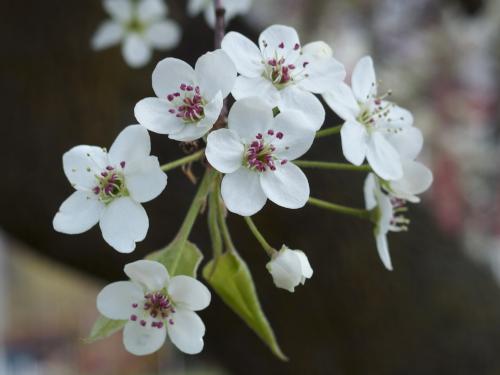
(438, 312)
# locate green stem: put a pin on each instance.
(180, 162)
(328, 131)
(357, 212)
(194, 209)
(213, 224)
(332, 165)
(265, 245)
(226, 236)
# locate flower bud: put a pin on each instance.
(289, 268)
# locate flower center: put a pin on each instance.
(280, 72)
(375, 110)
(188, 104)
(110, 184)
(156, 305)
(259, 155)
(399, 222)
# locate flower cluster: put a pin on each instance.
(252, 149)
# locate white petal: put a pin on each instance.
(144, 179)
(250, 116)
(148, 10)
(188, 293)
(417, 178)
(242, 193)
(261, 87)
(397, 117)
(123, 223)
(187, 331)
(287, 186)
(342, 101)
(153, 113)
(136, 51)
(82, 163)
(224, 150)
(363, 81)
(132, 144)
(189, 132)
(141, 340)
(244, 53)
(164, 34)
(151, 275)
(116, 299)
(383, 250)
(383, 158)
(322, 75)
(305, 102)
(369, 188)
(78, 213)
(307, 270)
(274, 36)
(317, 50)
(408, 142)
(108, 34)
(354, 142)
(297, 135)
(215, 72)
(121, 10)
(169, 74)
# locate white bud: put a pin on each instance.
(289, 268)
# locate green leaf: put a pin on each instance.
(180, 259)
(104, 327)
(230, 277)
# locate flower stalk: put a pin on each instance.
(182, 161)
(328, 131)
(356, 212)
(332, 165)
(260, 238)
(220, 11)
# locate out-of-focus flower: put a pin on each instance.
(232, 9)
(155, 304)
(282, 71)
(140, 26)
(189, 101)
(110, 188)
(255, 153)
(374, 128)
(289, 268)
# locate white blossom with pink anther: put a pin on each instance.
(188, 101)
(255, 153)
(110, 188)
(155, 305)
(374, 128)
(283, 72)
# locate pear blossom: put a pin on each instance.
(255, 153)
(140, 26)
(188, 101)
(232, 9)
(289, 268)
(374, 128)
(416, 179)
(154, 305)
(283, 72)
(110, 187)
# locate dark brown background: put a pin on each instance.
(437, 313)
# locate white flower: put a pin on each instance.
(255, 153)
(188, 101)
(155, 304)
(374, 128)
(289, 268)
(283, 72)
(140, 26)
(110, 187)
(232, 8)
